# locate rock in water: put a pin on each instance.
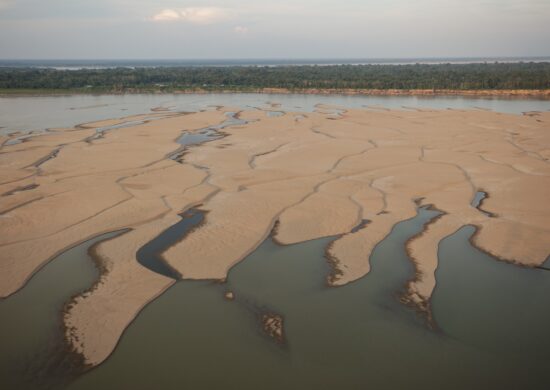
(273, 326)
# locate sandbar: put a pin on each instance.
(351, 174)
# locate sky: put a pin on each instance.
(230, 29)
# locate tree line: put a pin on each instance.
(529, 75)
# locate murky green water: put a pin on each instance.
(32, 352)
(492, 305)
(493, 318)
(354, 337)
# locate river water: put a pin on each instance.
(491, 330)
(32, 352)
(492, 319)
(40, 113)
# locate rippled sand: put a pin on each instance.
(335, 172)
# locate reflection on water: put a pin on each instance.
(353, 337)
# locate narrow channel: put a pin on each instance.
(150, 255)
(477, 202)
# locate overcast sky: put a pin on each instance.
(170, 29)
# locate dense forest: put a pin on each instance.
(416, 76)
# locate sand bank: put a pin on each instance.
(352, 174)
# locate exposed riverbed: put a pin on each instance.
(350, 337)
(490, 318)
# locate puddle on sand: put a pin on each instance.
(210, 133)
(274, 114)
(477, 202)
(478, 198)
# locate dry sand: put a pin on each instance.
(352, 174)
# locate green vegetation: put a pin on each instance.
(166, 79)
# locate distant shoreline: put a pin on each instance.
(75, 64)
(520, 80)
(502, 93)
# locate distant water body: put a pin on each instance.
(39, 113)
(71, 64)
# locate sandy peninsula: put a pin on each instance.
(353, 174)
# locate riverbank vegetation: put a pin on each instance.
(484, 76)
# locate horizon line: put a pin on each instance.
(280, 58)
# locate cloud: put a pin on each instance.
(166, 15)
(195, 15)
(241, 30)
(5, 3)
